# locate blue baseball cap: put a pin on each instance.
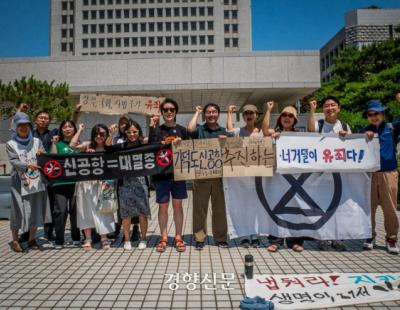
(20, 118)
(375, 105)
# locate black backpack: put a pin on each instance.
(322, 121)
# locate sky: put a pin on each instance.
(276, 24)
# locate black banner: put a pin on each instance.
(138, 161)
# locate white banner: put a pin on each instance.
(325, 206)
(308, 152)
(316, 291)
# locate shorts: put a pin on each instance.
(165, 187)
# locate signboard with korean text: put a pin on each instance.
(106, 104)
(317, 291)
(309, 152)
(214, 158)
(138, 161)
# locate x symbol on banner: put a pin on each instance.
(296, 188)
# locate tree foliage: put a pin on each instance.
(39, 95)
(372, 72)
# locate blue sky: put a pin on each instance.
(277, 24)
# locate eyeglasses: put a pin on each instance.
(166, 110)
(290, 115)
(132, 132)
(372, 114)
(100, 134)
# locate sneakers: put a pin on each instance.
(223, 245)
(127, 245)
(369, 244)
(245, 243)
(199, 245)
(142, 244)
(323, 245)
(391, 246)
(58, 246)
(338, 245)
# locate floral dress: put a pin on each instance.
(133, 197)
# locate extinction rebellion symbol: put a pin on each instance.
(164, 157)
(52, 169)
(296, 187)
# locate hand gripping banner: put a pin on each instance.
(138, 161)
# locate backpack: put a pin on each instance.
(322, 121)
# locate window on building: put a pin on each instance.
(102, 2)
(151, 41)
(159, 12)
(142, 12)
(160, 26)
(202, 40)
(226, 28)
(168, 12)
(151, 27)
(151, 12)
(185, 26)
(143, 27)
(101, 28)
(134, 27)
(109, 28)
(110, 42)
(168, 26)
(193, 40)
(234, 2)
(168, 41)
(71, 19)
(126, 1)
(64, 5)
(176, 26)
(126, 13)
(101, 42)
(118, 14)
(118, 28)
(210, 40)
(110, 14)
(235, 42)
(226, 41)
(71, 5)
(226, 2)
(85, 16)
(63, 47)
(85, 43)
(159, 41)
(134, 13)
(226, 14)
(234, 14)
(235, 28)
(202, 25)
(93, 14)
(85, 2)
(210, 11)
(93, 28)
(210, 25)
(143, 1)
(94, 2)
(71, 33)
(102, 14)
(118, 42)
(93, 43)
(193, 11)
(111, 2)
(63, 33)
(202, 11)
(185, 40)
(126, 27)
(134, 41)
(142, 41)
(126, 42)
(185, 11)
(117, 1)
(176, 41)
(176, 12)
(193, 26)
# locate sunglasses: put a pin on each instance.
(290, 115)
(373, 114)
(166, 110)
(100, 134)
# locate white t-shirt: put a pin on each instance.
(331, 128)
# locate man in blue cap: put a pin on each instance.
(384, 181)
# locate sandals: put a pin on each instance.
(273, 248)
(105, 244)
(180, 245)
(161, 246)
(298, 248)
(87, 244)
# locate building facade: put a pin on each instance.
(362, 27)
(123, 27)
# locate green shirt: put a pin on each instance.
(204, 132)
(62, 149)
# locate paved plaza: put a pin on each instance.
(72, 278)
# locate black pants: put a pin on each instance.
(64, 204)
(49, 227)
(290, 242)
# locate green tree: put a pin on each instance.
(372, 72)
(39, 95)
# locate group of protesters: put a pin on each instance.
(49, 206)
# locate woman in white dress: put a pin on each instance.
(87, 192)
